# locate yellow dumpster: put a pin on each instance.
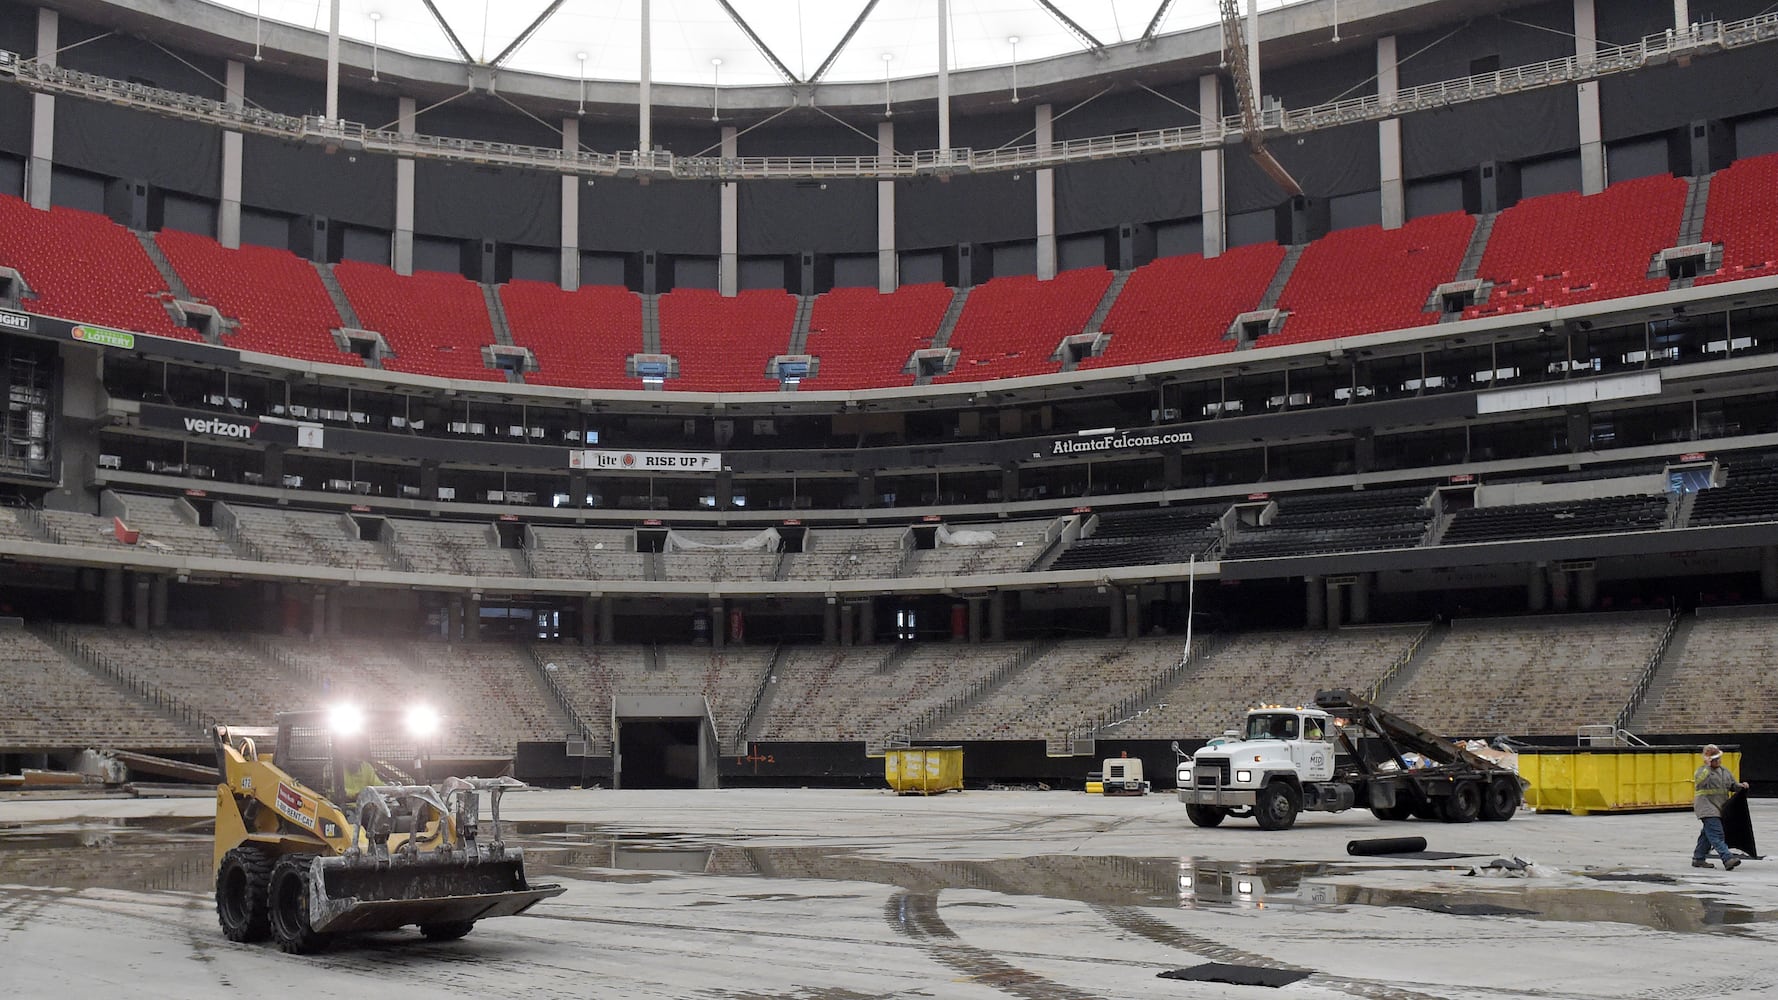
(924, 770)
(1581, 780)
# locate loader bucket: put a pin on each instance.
(367, 895)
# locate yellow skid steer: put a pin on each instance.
(321, 830)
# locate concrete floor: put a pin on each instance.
(844, 895)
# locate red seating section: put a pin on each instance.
(1182, 307)
(86, 268)
(1011, 326)
(579, 338)
(275, 296)
(1743, 217)
(435, 323)
(1371, 279)
(723, 344)
(1563, 249)
(864, 338)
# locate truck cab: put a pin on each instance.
(1281, 762)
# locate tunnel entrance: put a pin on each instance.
(663, 742)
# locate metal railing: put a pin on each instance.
(1134, 706)
(938, 714)
(559, 694)
(1697, 40)
(740, 741)
(1640, 690)
(153, 694)
(1386, 682)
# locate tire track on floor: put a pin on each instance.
(914, 915)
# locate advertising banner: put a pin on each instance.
(231, 427)
(645, 461)
(1090, 442)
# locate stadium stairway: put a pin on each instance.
(1663, 672)
(341, 304)
(175, 284)
(947, 326)
(1427, 645)
(497, 315)
(1281, 278)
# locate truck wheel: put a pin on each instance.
(449, 930)
(241, 884)
(1501, 799)
(1205, 816)
(1464, 803)
(1399, 812)
(289, 906)
(1276, 806)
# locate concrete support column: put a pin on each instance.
(1045, 190)
(1592, 144)
(830, 623)
(472, 619)
(570, 209)
(997, 616)
(453, 619)
(1768, 573)
(332, 102)
(1389, 139)
(1132, 614)
(157, 602)
(1537, 590)
(888, 267)
(139, 610)
(718, 624)
(1586, 589)
(43, 116)
(1315, 597)
(645, 82)
(607, 620)
(944, 76)
(336, 612)
(588, 620)
(1114, 599)
(1009, 482)
(1559, 589)
(114, 596)
(1336, 601)
(318, 612)
(1682, 15)
(1361, 598)
(867, 622)
(846, 617)
(728, 266)
(228, 210)
(976, 607)
(402, 247)
(1210, 163)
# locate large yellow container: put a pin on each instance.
(924, 770)
(1581, 780)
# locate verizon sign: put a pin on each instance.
(645, 461)
(220, 427)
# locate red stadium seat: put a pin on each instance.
(864, 338)
(580, 338)
(1182, 307)
(436, 323)
(275, 296)
(1012, 325)
(723, 344)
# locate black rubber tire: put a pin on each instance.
(1464, 803)
(449, 930)
(1501, 800)
(1205, 816)
(1399, 812)
(1276, 806)
(288, 902)
(242, 881)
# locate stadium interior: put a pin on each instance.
(723, 434)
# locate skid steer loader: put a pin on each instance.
(320, 831)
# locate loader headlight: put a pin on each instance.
(345, 720)
(421, 721)
(1244, 776)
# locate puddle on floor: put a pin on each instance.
(165, 853)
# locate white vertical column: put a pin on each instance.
(1210, 160)
(228, 213)
(728, 268)
(1259, 100)
(1046, 200)
(944, 74)
(570, 209)
(645, 83)
(43, 116)
(1682, 15)
(1592, 142)
(888, 271)
(403, 244)
(333, 60)
(1389, 139)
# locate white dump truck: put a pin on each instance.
(1339, 753)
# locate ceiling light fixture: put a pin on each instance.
(1013, 40)
(888, 104)
(715, 86)
(375, 19)
(256, 18)
(581, 108)
(1336, 16)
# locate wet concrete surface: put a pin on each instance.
(831, 895)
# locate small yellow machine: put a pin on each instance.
(321, 831)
